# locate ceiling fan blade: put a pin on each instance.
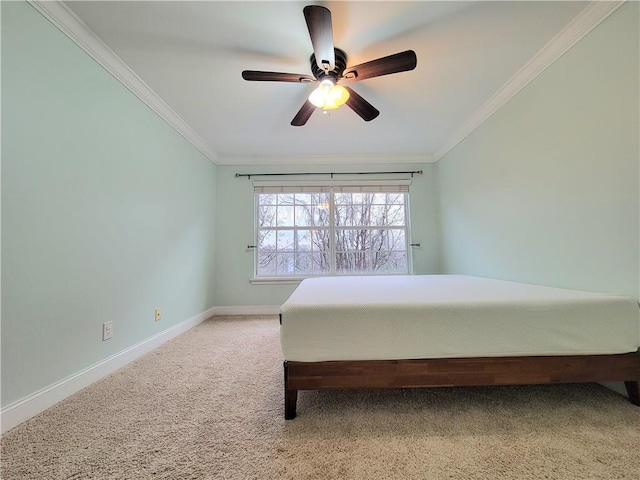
(257, 76)
(321, 32)
(359, 105)
(398, 62)
(303, 115)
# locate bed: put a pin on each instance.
(407, 331)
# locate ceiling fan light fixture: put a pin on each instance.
(326, 63)
(328, 95)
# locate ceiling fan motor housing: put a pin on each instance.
(336, 73)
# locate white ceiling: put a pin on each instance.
(191, 54)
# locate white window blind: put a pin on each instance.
(350, 186)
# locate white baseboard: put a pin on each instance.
(248, 310)
(17, 412)
(617, 387)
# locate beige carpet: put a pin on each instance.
(208, 404)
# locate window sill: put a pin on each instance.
(297, 280)
(275, 280)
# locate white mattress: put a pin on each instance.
(436, 316)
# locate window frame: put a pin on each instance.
(331, 189)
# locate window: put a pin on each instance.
(331, 230)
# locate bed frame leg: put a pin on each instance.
(633, 391)
(290, 396)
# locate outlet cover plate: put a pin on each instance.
(107, 330)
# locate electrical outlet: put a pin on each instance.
(107, 330)
(158, 316)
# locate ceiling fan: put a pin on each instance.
(329, 66)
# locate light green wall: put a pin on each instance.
(234, 262)
(107, 212)
(546, 191)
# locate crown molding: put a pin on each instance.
(325, 159)
(589, 18)
(74, 28)
(68, 23)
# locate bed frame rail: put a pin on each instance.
(458, 372)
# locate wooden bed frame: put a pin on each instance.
(458, 372)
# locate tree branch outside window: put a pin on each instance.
(327, 233)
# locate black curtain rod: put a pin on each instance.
(249, 175)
